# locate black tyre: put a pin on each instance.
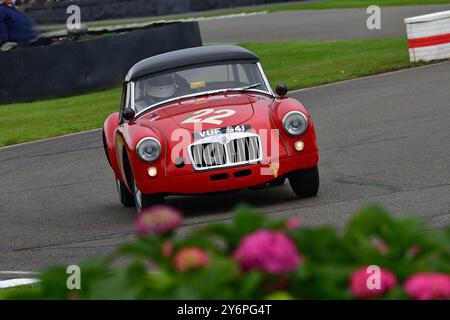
(278, 182)
(125, 196)
(305, 183)
(144, 201)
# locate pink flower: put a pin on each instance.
(167, 249)
(190, 258)
(270, 251)
(281, 284)
(414, 250)
(157, 220)
(380, 245)
(72, 295)
(293, 223)
(363, 282)
(428, 286)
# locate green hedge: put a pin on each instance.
(257, 257)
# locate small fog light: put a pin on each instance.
(152, 172)
(299, 146)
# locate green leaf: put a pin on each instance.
(223, 232)
(369, 221)
(321, 245)
(54, 283)
(123, 284)
(219, 274)
(279, 296)
(322, 281)
(249, 285)
(246, 220)
(143, 247)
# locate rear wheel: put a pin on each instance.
(144, 201)
(125, 196)
(305, 183)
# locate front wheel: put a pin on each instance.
(305, 183)
(125, 196)
(144, 201)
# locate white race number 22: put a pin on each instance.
(199, 116)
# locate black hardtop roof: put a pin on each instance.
(189, 57)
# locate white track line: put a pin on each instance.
(16, 282)
(11, 283)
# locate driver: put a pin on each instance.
(162, 87)
(155, 89)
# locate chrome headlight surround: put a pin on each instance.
(142, 149)
(297, 129)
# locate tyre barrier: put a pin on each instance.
(429, 36)
(77, 67)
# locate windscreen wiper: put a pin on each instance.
(251, 86)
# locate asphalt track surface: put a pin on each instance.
(383, 139)
(311, 25)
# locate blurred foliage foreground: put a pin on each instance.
(257, 257)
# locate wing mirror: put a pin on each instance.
(281, 90)
(128, 114)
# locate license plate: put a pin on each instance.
(223, 130)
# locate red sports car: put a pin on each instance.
(205, 120)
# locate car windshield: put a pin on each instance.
(152, 90)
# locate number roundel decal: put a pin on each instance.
(210, 116)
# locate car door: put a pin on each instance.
(120, 141)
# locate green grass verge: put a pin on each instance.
(304, 64)
(17, 292)
(30, 121)
(348, 4)
(299, 64)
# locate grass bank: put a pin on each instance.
(305, 64)
(299, 64)
(348, 4)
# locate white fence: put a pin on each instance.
(429, 36)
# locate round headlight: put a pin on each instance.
(295, 123)
(148, 149)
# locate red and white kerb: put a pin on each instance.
(429, 36)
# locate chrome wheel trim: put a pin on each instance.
(137, 196)
(118, 188)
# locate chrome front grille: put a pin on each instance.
(223, 151)
(209, 155)
(243, 149)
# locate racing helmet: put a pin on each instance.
(161, 87)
